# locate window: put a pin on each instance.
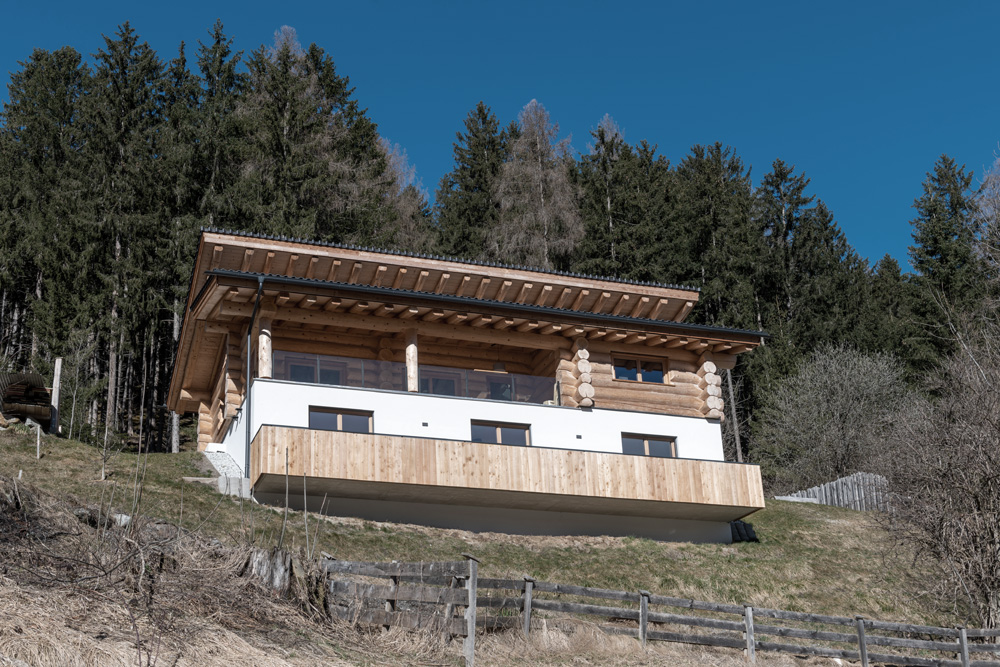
(331, 372)
(499, 433)
(660, 446)
(333, 419)
(640, 370)
(439, 382)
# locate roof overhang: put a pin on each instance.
(333, 287)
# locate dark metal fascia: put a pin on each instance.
(501, 307)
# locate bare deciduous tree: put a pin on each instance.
(943, 467)
(829, 418)
(539, 217)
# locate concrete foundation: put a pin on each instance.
(513, 521)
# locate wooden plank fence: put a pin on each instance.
(428, 596)
(861, 491)
(429, 603)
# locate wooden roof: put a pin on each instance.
(329, 289)
(439, 275)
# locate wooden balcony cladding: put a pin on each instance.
(407, 469)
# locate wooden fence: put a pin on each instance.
(427, 596)
(427, 604)
(860, 491)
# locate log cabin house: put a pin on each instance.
(443, 392)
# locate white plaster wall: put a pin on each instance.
(282, 403)
(234, 442)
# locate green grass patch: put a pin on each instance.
(810, 558)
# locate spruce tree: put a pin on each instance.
(943, 256)
(712, 241)
(624, 199)
(944, 233)
(465, 203)
(124, 113)
(218, 127)
(43, 254)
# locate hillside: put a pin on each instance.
(810, 558)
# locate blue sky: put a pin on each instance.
(862, 97)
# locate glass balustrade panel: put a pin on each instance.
(391, 376)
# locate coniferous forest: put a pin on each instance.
(109, 167)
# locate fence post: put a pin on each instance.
(390, 605)
(751, 650)
(862, 642)
(963, 643)
(529, 586)
(643, 615)
(471, 585)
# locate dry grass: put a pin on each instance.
(197, 611)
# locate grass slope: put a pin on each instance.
(810, 558)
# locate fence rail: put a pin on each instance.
(428, 596)
(861, 491)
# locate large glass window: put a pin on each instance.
(653, 371)
(334, 419)
(660, 446)
(500, 433)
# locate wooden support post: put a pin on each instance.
(529, 586)
(963, 646)
(643, 615)
(56, 377)
(751, 650)
(264, 349)
(471, 585)
(412, 362)
(38, 441)
(862, 642)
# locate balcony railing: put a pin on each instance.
(391, 376)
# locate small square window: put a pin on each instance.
(625, 369)
(657, 446)
(499, 433)
(652, 371)
(348, 421)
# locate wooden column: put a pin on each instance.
(412, 363)
(264, 349)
